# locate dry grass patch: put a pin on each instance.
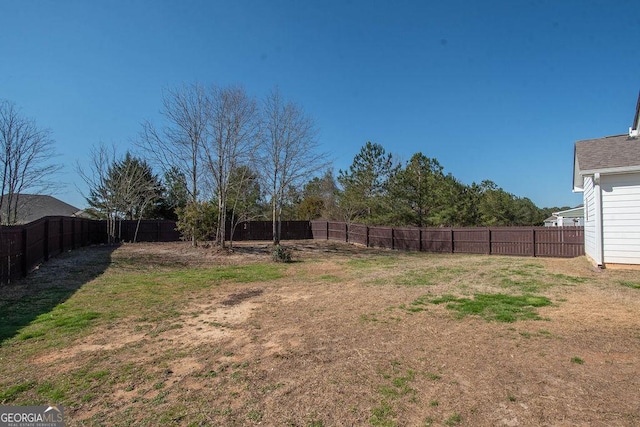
(165, 334)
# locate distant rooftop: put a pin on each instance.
(32, 207)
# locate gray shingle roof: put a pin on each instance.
(35, 206)
(619, 151)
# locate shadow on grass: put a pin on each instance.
(48, 286)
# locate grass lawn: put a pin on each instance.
(165, 334)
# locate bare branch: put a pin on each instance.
(178, 142)
(234, 130)
(289, 153)
(26, 152)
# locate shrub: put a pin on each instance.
(197, 220)
(281, 254)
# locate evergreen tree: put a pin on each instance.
(418, 192)
(319, 198)
(365, 184)
(175, 194)
(128, 191)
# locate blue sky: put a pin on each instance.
(495, 90)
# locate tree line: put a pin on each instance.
(218, 156)
(378, 190)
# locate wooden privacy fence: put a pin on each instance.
(522, 241)
(22, 247)
(148, 231)
(165, 231)
(263, 230)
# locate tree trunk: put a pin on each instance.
(276, 235)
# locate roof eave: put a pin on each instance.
(610, 171)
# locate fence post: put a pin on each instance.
(452, 241)
(489, 241)
(46, 239)
(392, 242)
(346, 232)
(366, 227)
(24, 264)
(533, 242)
(61, 235)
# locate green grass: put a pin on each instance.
(204, 277)
(11, 393)
(563, 279)
(632, 285)
(496, 307)
(396, 387)
(15, 315)
(376, 262)
(254, 415)
(61, 321)
(577, 361)
(453, 420)
(399, 386)
(383, 415)
(66, 313)
(529, 278)
(524, 285)
(330, 278)
(425, 277)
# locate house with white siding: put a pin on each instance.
(607, 172)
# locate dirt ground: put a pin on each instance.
(321, 347)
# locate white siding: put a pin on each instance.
(589, 218)
(621, 218)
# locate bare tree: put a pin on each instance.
(234, 129)
(244, 195)
(26, 151)
(179, 143)
(119, 188)
(96, 176)
(136, 186)
(288, 152)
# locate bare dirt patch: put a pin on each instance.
(235, 299)
(335, 343)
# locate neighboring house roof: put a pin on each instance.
(35, 206)
(577, 212)
(612, 154)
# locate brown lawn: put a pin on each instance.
(346, 336)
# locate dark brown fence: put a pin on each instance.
(148, 231)
(165, 231)
(263, 230)
(25, 246)
(522, 241)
